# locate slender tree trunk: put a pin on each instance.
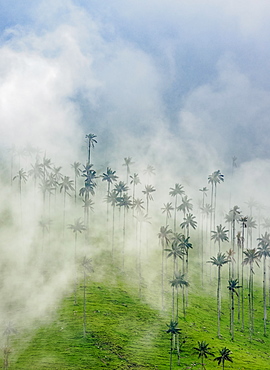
(84, 304)
(218, 303)
(264, 297)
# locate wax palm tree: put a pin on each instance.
(219, 261)
(77, 227)
(266, 223)
(204, 191)
(215, 178)
(264, 252)
(124, 202)
(164, 236)
(91, 144)
(167, 209)
(77, 173)
(141, 219)
(22, 177)
(128, 162)
(224, 355)
(86, 265)
(174, 331)
(251, 257)
(135, 180)
(203, 351)
(233, 216)
(46, 187)
(240, 244)
(185, 206)
(149, 171)
(36, 172)
(251, 203)
(137, 205)
(251, 224)
(220, 235)
(176, 251)
(149, 189)
(120, 188)
(66, 185)
(231, 259)
(175, 192)
(233, 285)
(112, 199)
(90, 184)
(189, 221)
(179, 281)
(46, 166)
(110, 177)
(45, 224)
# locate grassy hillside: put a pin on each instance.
(128, 332)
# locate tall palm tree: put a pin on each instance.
(112, 199)
(221, 235)
(264, 252)
(174, 192)
(203, 351)
(128, 162)
(218, 261)
(189, 221)
(77, 173)
(22, 177)
(233, 285)
(137, 205)
(251, 224)
(110, 177)
(167, 209)
(135, 180)
(46, 166)
(149, 189)
(179, 281)
(224, 355)
(91, 144)
(174, 331)
(87, 269)
(266, 223)
(185, 206)
(233, 216)
(77, 227)
(251, 257)
(149, 171)
(204, 191)
(124, 202)
(90, 184)
(240, 244)
(164, 236)
(215, 178)
(36, 171)
(66, 185)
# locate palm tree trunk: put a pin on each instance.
(218, 303)
(264, 297)
(84, 304)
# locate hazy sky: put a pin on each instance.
(192, 75)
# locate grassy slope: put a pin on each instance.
(125, 332)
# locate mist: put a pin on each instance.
(177, 86)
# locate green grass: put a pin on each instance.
(126, 332)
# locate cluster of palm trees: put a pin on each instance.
(129, 213)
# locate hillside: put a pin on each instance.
(126, 332)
